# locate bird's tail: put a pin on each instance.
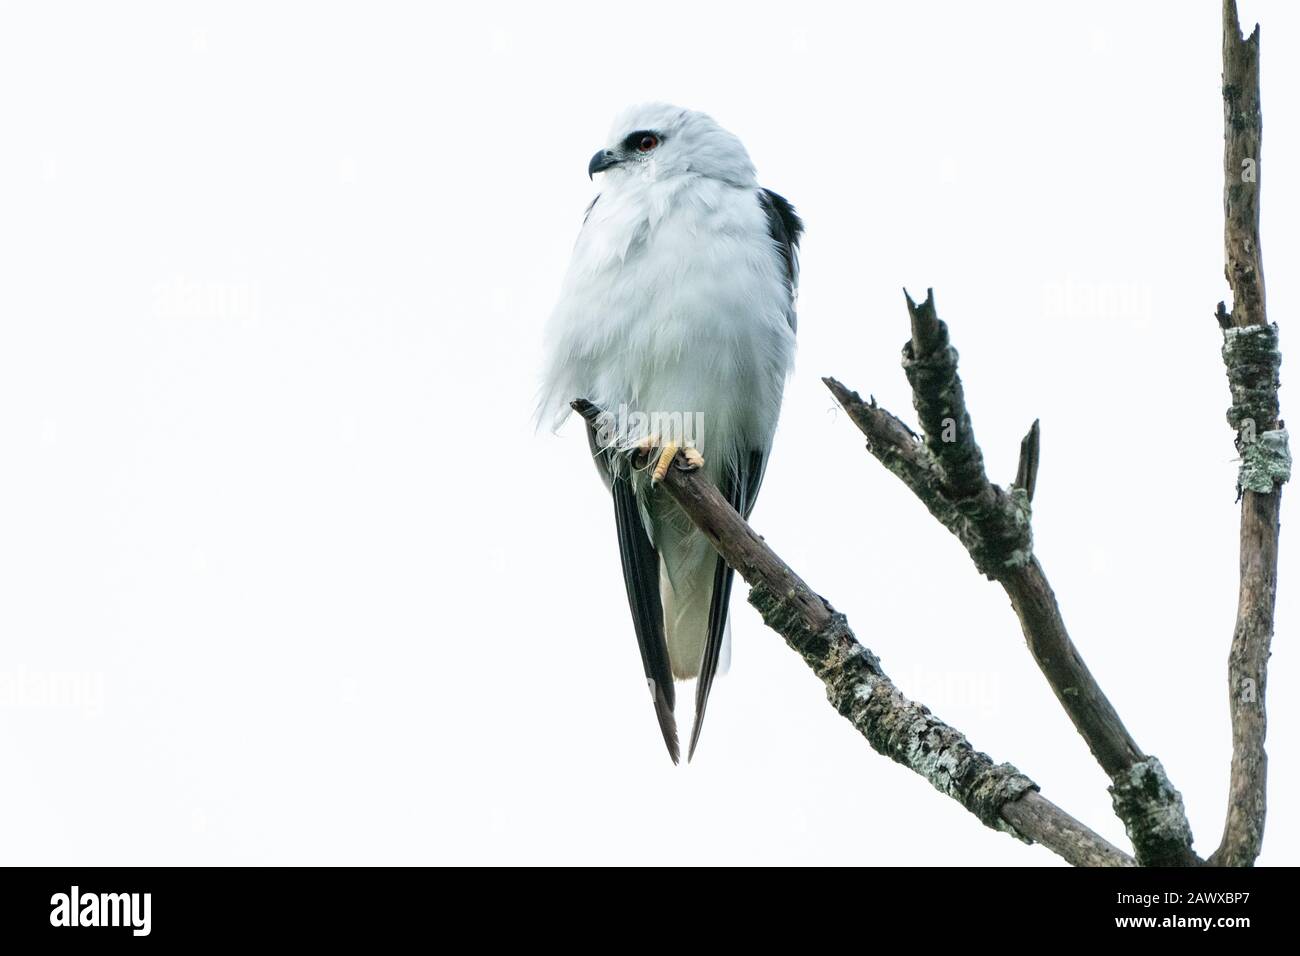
(686, 590)
(694, 587)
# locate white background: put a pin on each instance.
(286, 575)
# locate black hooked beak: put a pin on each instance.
(601, 161)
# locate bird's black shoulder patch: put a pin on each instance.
(785, 228)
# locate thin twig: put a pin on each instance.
(1027, 470)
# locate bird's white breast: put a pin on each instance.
(676, 302)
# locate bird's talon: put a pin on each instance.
(692, 460)
(666, 456)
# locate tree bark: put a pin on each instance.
(1253, 364)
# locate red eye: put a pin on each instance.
(648, 142)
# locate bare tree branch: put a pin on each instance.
(1242, 134)
(1061, 833)
(901, 729)
(946, 471)
(1251, 356)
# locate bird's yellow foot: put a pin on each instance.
(649, 453)
(691, 460)
(666, 455)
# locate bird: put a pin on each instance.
(676, 318)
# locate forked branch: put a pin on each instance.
(945, 470)
(905, 731)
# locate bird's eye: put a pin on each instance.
(647, 142)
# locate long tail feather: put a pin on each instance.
(741, 490)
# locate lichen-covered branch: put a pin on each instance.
(945, 470)
(856, 685)
(1253, 362)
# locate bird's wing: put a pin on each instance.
(785, 227)
(641, 576)
(741, 490)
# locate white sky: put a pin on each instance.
(285, 575)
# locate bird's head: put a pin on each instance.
(655, 142)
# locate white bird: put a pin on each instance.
(677, 318)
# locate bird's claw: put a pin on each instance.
(692, 460)
(666, 455)
(649, 453)
(687, 457)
